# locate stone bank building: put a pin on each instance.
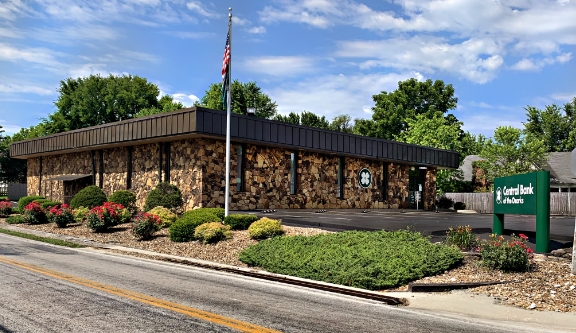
(273, 164)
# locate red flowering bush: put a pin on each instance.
(5, 208)
(61, 215)
(101, 218)
(506, 255)
(34, 213)
(144, 225)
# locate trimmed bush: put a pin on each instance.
(183, 229)
(444, 202)
(125, 198)
(26, 200)
(34, 213)
(80, 214)
(165, 195)
(212, 232)
(372, 260)
(216, 211)
(165, 215)
(265, 228)
(15, 219)
(90, 197)
(47, 205)
(61, 215)
(459, 206)
(240, 221)
(144, 225)
(5, 208)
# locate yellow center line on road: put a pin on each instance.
(196, 313)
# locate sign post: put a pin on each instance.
(574, 243)
(524, 194)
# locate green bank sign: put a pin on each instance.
(526, 194)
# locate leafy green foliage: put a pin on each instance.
(240, 221)
(244, 95)
(165, 195)
(265, 228)
(444, 202)
(26, 200)
(506, 255)
(49, 204)
(216, 211)
(34, 213)
(80, 214)
(459, 205)
(165, 215)
(11, 169)
(102, 218)
(555, 125)
(125, 198)
(370, 260)
(462, 237)
(183, 229)
(165, 104)
(90, 197)
(212, 232)
(144, 225)
(61, 215)
(15, 219)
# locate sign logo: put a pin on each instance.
(499, 196)
(364, 178)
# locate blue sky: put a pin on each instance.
(324, 56)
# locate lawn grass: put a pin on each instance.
(54, 241)
(370, 260)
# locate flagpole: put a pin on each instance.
(228, 113)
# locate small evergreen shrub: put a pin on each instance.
(5, 208)
(512, 255)
(90, 197)
(101, 218)
(265, 228)
(144, 225)
(124, 215)
(444, 202)
(165, 215)
(216, 211)
(34, 213)
(212, 232)
(462, 237)
(125, 198)
(15, 219)
(47, 205)
(165, 195)
(26, 200)
(80, 214)
(61, 215)
(183, 229)
(240, 221)
(459, 206)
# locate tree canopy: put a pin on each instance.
(244, 95)
(165, 104)
(555, 125)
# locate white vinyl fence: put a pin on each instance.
(561, 203)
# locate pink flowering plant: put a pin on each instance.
(461, 237)
(5, 208)
(61, 215)
(507, 255)
(102, 218)
(144, 225)
(34, 213)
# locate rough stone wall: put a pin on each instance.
(144, 171)
(32, 175)
(186, 157)
(430, 189)
(57, 165)
(398, 185)
(115, 170)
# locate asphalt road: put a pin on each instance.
(45, 288)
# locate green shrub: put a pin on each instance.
(165, 195)
(371, 260)
(212, 232)
(444, 202)
(124, 215)
(90, 197)
(15, 219)
(183, 229)
(216, 211)
(459, 206)
(461, 237)
(5, 208)
(144, 225)
(240, 221)
(26, 200)
(165, 215)
(80, 214)
(125, 198)
(512, 255)
(265, 228)
(47, 205)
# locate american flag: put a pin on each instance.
(225, 63)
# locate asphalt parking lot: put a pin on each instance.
(428, 223)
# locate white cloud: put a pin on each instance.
(332, 95)
(85, 70)
(481, 105)
(187, 100)
(9, 129)
(279, 66)
(525, 65)
(563, 97)
(35, 55)
(24, 87)
(198, 7)
(239, 21)
(564, 57)
(257, 30)
(191, 34)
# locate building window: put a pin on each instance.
(129, 170)
(293, 172)
(341, 177)
(385, 181)
(240, 168)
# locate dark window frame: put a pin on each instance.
(129, 169)
(293, 172)
(340, 184)
(241, 168)
(385, 170)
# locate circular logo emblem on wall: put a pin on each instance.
(364, 178)
(498, 196)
